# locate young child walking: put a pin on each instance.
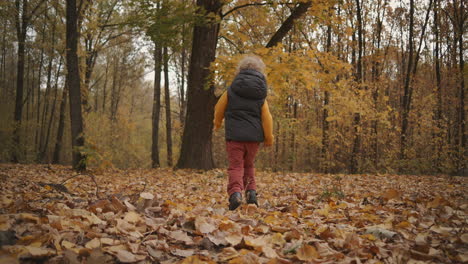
(248, 122)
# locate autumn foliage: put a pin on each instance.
(51, 214)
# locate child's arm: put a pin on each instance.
(220, 108)
(267, 123)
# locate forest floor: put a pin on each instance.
(51, 214)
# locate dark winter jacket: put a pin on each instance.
(246, 96)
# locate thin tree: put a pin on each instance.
(23, 18)
(156, 105)
(354, 165)
(167, 101)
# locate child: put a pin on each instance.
(248, 122)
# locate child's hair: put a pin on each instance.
(252, 62)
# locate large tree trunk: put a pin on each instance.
(73, 77)
(196, 140)
(167, 100)
(156, 106)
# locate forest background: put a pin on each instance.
(354, 86)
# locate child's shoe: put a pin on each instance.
(235, 200)
(251, 197)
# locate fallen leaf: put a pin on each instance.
(39, 251)
(132, 217)
(269, 252)
(127, 257)
(204, 225)
(307, 253)
(94, 243)
(183, 253)
(391, 194)
(181, 236)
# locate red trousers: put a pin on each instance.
(241, 171)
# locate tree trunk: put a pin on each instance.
(21, 28)
(356, 152)
(73, 77)
(38, 105)
(438, 114)
(61, 125)
(461, 164)
(167, 99)
(156, 106)
(196, 140)
(104, 88)
(325, 124)
(51, 117)
(405, 114)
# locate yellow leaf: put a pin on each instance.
(404, 224)
(132, 217)
(67, 244)
(370, 237)
(94, 243)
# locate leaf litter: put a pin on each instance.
(51, 214)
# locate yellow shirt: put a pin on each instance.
(267, 120)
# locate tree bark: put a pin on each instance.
(462, 157)
(356, 152)
(196, 140)
(167, 100)
(21, 28)
(73, 77)
(438, 114)
(51, 117)
(405, 114)
(156, 106)
(325, 124)
(61, 126)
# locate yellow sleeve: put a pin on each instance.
(220, 108)
(267, 123)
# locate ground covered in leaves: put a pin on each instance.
(50, 214)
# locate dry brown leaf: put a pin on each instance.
(94, 243)
(132, 217)
(307, 253)
(181, 236)
(183, 252)
(464, 238)
(127, 257)
(269, 252)
(196, 260)
(228, 253)
(234, 239)
(391, 194)
(204, 225)
(39, 251)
